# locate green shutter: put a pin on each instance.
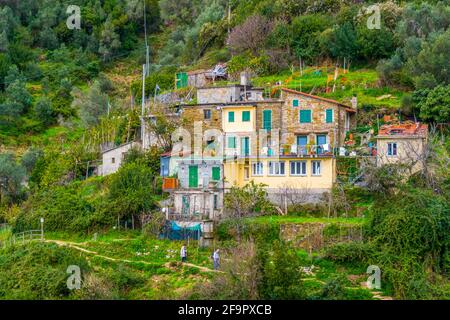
(305, 116)
(245, 116)
(216, 173)
(232, 142)
(267, 119)
(182, 80)
(245, 146)
(193, 176)
(329, 115)
(230, 116)
(295, 103)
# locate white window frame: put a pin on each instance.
(390, 147)
(316, 168)
(275, 166)
(259, 166)
(302, 166)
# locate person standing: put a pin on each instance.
(216, 259)
(183, 254)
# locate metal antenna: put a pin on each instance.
(147, 51)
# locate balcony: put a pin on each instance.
(300, 151)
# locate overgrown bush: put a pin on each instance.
(281, 273)
(37, 271)
(408, 239)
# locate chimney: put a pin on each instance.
(245, 78)
(355, 102)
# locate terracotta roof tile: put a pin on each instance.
(404, 129)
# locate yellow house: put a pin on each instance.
(254, 152)
(239, 128)
(309, 175)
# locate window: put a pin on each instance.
(207, 114)
(295, 103)
(276, 168)
(329, 116)
(321, 143)
(302, 140)
(298, 168)
(216, 173)
(267, 119)
(232, 142)
(392, 149)
(216, 202)
(245, 146)
(230, 116)
(113, 160)
(257, 169)
(316, 168)
(305, 116)
(245, 116)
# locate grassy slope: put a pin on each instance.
(143, 268)
(362, 82)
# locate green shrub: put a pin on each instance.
(349, 252)
(37, 271)
(281, 273)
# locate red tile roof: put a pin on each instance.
(404, 129)
(348, 108)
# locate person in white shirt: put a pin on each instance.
(183, 254)
(216, 259)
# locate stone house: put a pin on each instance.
(288, 144)
(200, 189)
(112, 158)
(313, 120)
(402, 143)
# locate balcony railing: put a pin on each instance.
(187, 217)
(300, 151)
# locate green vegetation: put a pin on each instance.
(65, 96)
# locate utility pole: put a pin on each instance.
(301, 67)
(229, 16)
(42, 229)
(143, 104)
(147, 51)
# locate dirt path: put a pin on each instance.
(205, 269)
(96, 254)
(376, 294)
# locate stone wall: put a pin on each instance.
(192, 114)
(315, 236)
(218, 94)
